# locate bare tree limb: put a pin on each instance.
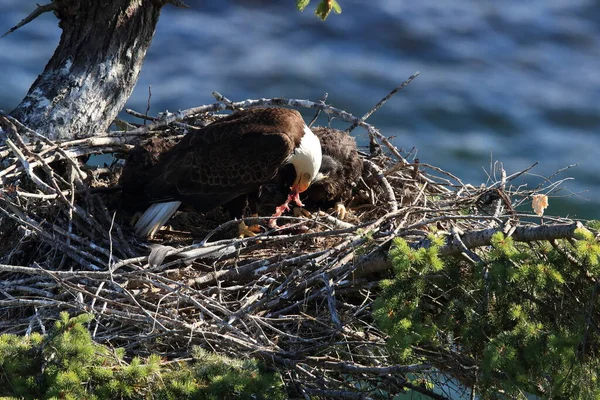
(383, 101)
(36, 13)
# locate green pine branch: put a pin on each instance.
(525, 318)
(68, 364)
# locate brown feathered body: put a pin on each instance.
(137, 171)
(217, 164)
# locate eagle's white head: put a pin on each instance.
(307, 161)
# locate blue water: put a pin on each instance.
(512, 81)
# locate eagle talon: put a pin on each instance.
(301, 212)
(340, 210)
(247, 231)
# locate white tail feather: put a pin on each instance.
(155, 217)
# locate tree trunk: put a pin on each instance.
(94, 68)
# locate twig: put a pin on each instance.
(148, 105)
(383, 101)
(322, 101)
(177, 3)
(225, 101)
(335, 319)
(385, 185)
(28, 168)
(36, 13)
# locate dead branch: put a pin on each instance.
(384, 100)
(36, 13)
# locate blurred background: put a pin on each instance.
(509, 81)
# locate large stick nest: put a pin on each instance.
(302, 302)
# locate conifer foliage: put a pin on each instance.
(523, 319)
(68, 364)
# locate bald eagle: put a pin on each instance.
(229, 158)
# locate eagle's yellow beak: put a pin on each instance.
(302, 182)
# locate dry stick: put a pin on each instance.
(77, 290)
(398, 166)
(225, 101)
(335, 319)
(224, 249)
(385, 185)
(549, 178)
(177, 3)
(110, 243)
(148, 105)
(179, 288)
(70, 216)
(515, 175)
(471, 256)
(383, 101)
(85, 241)
(255, 268)
(309, 281)
(20, 302)
(54, 155)
(36, 271)
(206, 309)
(337, 223)
(437, 169)
(424, 177)
(77, 254)
(327, 362)
(139, 306)
(105, 139)
(53, 179)
(154, 119)
(301, 286)
(36, 13)
(334, 394)
(247, 309)
(123, 243)
(29, 289)
(28, 168)
(498, 203)
(141, 115)
(60, 193)
(44, 139)
(322, 101)
(260, 320)
(42, 196)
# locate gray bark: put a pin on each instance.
(378, 261)
(94, 68)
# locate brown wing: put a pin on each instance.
(136, 171)
(228, 158)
